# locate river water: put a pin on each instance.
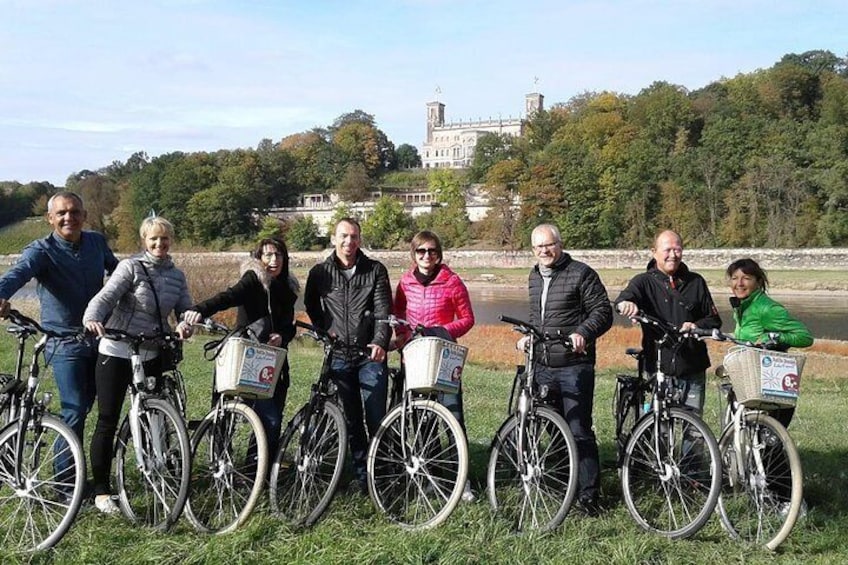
(824, 314)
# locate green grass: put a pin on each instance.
(15, 237)
(353, 532)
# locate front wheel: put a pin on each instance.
(229, 465)
(762, 486)
(532, 473)
(417, 464)
(308, 465)
(671, 475)
(153, 477)
(38, 506)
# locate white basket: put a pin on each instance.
(248, 368)
(764, 379)
(433, 364)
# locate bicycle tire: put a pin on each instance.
(539, 499)
(421, 492)
(156, 496)
(676, 500)
(37, 516)
(306, 473)
(229, 466)
(750, 508)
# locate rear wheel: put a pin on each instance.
(308, 465)
(533, 482)
(229, 465)
(37, 510)
(671, 474)
(153, 490)
(418, 464)
(762, 486)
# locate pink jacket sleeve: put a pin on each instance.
(464, 313)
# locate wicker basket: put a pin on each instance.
(433, 363)
(764, 379)
(248, 368)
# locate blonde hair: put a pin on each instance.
(157, 223)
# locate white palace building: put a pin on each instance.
(448, 145)
(452, 144)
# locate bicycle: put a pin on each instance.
(229, 447)
(308, 464)
(671, 469)
(761, 462)
(152, 450)
(418, 458)
(532, 471)
(42, 466)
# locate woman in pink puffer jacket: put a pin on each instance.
(432, 295)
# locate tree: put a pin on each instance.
(271, 227)
(408, 157)
(450, 220)
(501, 222)
(490, 149)
(388, 225)
(355, 184)
(302, 234)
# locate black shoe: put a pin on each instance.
(589, 506)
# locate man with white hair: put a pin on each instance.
(69, 265)
(567, 296)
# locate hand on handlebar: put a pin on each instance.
(627, 309)
(95, 328)
(578, 343)
(192, 317)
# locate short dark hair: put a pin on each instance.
(425, 236)
(750, 268)
(348, 220)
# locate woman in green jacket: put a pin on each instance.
(757, 315)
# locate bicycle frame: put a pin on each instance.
(23, 405)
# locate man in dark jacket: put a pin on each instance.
(567, 296)
(671, 292)
(339, 292)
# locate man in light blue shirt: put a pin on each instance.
(69, 265)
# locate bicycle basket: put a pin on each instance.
(433, 364)
(248, 368)
(764, 379)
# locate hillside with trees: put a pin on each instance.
(759, 159)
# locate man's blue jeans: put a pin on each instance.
(572, 390)
(361, 384)
(73, 371)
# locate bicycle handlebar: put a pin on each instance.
(29, 325)
(157, 336)
(528, 328)
(718, 335)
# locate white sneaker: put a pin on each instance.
(468, 494)
(106, 504)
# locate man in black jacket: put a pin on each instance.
(567, 296)
(671, 292)
(338, 294)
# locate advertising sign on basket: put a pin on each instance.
(433, 363)
(247, 367)
(764, 378)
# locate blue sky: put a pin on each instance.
(84, 83)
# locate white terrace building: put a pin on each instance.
(452, 144)
(322, 207)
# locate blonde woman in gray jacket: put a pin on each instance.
(137, 298)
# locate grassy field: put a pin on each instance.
(352, 531)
